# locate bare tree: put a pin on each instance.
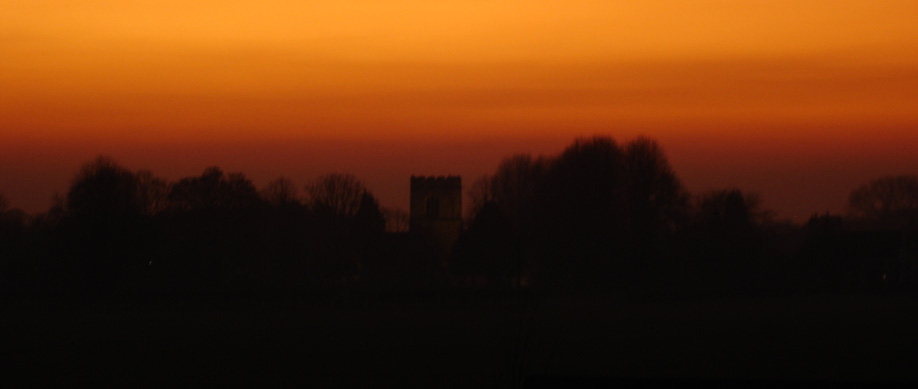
(152, 192)
(281, 192)
(337, 193)
(885, 198)
(397, 220)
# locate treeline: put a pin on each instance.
(600, 216)
(119, 231)
(614, 217)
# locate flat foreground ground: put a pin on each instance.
(470, 344)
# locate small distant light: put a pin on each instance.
(884, 277)
(151, 264)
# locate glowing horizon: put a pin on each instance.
(821, 83)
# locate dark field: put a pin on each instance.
(463, 341)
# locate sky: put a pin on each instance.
(800, 101)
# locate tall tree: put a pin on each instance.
(515, 187)
(657, 200)
(102, 226)
(369, 219)
(103, 189)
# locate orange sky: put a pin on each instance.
(799, 100)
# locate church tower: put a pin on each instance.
(436, 209)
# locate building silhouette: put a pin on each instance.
(436, 210)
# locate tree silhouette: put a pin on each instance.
(280, 193)
(588, 180)
(336, 194)
(12, 225)
(397, 220)
(886, 199)
(152, 192)
(599, 214)
(657, 200)
(882, 243)
(14, 229)
(583, 204)
(214, 190)
(514, 187)
(597, 205)
(725, 241)
(101, 190)
(729, 209)
(369, 220)
(102, 226)
(489, 248)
